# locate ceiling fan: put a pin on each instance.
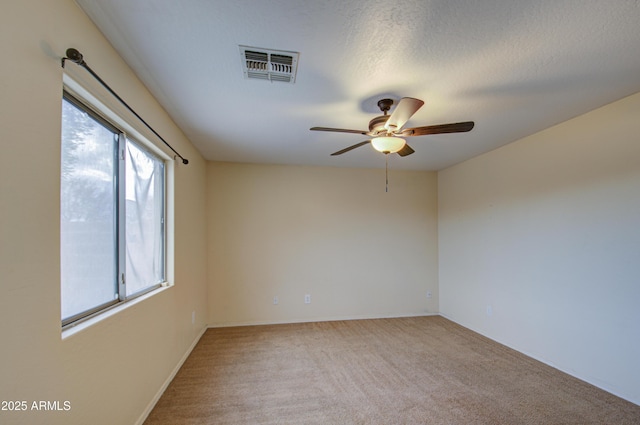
(386, 132)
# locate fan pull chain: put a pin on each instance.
(386, 172)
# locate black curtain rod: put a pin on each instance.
(76, 57)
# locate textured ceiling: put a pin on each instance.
(514, 67)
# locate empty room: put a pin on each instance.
(329, 212)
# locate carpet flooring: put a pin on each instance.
(420, 370)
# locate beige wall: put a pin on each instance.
(545, 232)
(109, 372)
(332, 233)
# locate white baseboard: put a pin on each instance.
(152, 403)
(315, 319)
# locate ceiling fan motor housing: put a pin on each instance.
(376, 125)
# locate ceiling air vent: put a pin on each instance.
(269, 65)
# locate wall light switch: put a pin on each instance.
(307, 299)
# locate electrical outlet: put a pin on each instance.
(428, 294)
(307, 299)
(275, 300)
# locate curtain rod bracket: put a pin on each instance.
(76, 57)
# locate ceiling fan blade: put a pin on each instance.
(407, 150)
(338, 130)
(357, 145)
(459, 127)
(401, 114)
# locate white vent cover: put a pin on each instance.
(269, 65)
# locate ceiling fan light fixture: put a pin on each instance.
(388, 144)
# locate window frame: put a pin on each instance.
(116, 122)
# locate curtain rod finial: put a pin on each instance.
(75, 56)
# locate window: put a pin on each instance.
(112, 217)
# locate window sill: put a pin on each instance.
(85, 324)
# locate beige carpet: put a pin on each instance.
(422, 370)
